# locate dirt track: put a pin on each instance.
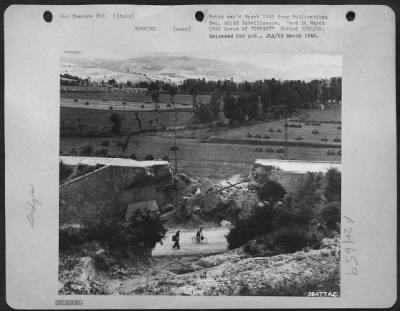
(216, 243)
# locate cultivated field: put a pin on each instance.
(97, 119)
(198, 159)
(180, 99)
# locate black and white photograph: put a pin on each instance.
(200, 174)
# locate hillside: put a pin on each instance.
(177, 68)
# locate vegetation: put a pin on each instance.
(290, 222)
(144, 230)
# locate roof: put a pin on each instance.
(299, 166)
(75, 160)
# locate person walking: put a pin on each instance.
(175, 238)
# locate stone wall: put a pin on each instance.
(106, 193)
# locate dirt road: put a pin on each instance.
(216, 243)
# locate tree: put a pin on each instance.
(229, 106)
(116, 119)
(172, 90)
(214, 103)
(155, 96)
(112, 82)
(333, 190)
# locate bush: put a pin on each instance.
(337, 140)
(149, 157)
(299, 138)
(87, 103)
(269, 149)
(330, 214)
(279, 130)
(144, 229)
(271, 130)
(331, 152)
(271, 191)
(142, 106)
(339, 127)
(280, 150)
(87, 150)
(133, 156)
(266, 137)
(249, 135)
(110, 108)
(316, 123)
(324, 139)
(102, 151)
(315, 132)
(120, 143)
(165, 158)
(105, 143)
(339, 152)
(169, 105)
(75, 100)
(257, 136)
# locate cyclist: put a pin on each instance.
(199, 235)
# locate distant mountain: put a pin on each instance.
(178, 68)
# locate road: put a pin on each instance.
(216, 243)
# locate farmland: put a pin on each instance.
(204, 150)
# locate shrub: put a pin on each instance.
(316, 123)
(142, 106)
(169, 105)
(87, 150)
(249, 135)
(315, 132)
(324, 139)
(331, 152)
(271, 191)
(173, 148)
(105, 143)
(75, 100)
(144, 229)
(266, 137)
(165, 158)
(269, 149)
(116, 119)
(120, 143)
(279, 130)
(339, 152)
(87, 103)
(102, 151)
(149, 157)
(330, 214)
(299, 138)
(133, 156)
(337, 140)
(339, 127)
(271, 130)
(110, 108)
(306, 123)
(280, 150)
(257, 136)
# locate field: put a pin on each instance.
(313, 135)
(99, 119)
(198, 159)
(180, 99)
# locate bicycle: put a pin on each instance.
(202, 241)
